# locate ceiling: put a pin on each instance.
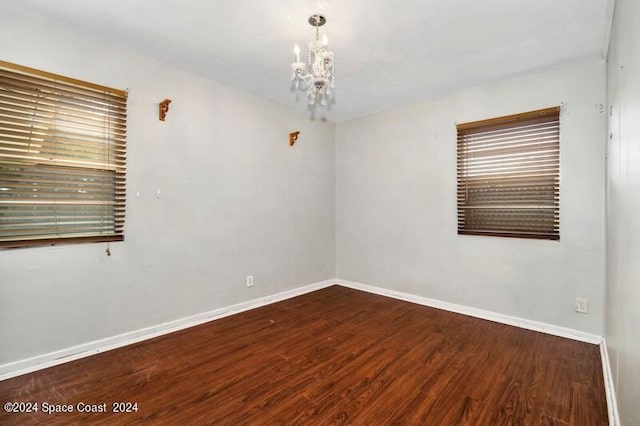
(388, 53)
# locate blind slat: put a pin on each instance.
(28, 131)
(76, 89)
(59, 125)
(70, 113)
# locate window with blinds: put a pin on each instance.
(62, 159)
(509, 176)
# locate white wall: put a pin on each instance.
(378, 207)
(623, 210)
(396, 203)
(235, 200)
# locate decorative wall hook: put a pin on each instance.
(293, 137)
(164, 108)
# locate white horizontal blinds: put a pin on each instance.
(62, 159)
(509, 176)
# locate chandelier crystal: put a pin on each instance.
(320, 78)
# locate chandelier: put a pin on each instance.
(320, 78)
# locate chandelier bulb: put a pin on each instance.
(296, 50)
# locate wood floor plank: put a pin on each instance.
(334, 356)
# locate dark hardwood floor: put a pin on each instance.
(332, 356)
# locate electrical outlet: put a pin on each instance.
(249, 280)
(582, 305)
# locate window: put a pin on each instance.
(509, 176)
(62, 159)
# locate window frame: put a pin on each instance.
(91, 164)
(499, 192)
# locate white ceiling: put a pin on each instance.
(388, 53)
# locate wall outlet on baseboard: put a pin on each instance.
(582, 305)
(250, 281)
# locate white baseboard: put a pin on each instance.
(478, 313)
(83, 350)
(51, 359)
(609, 386)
